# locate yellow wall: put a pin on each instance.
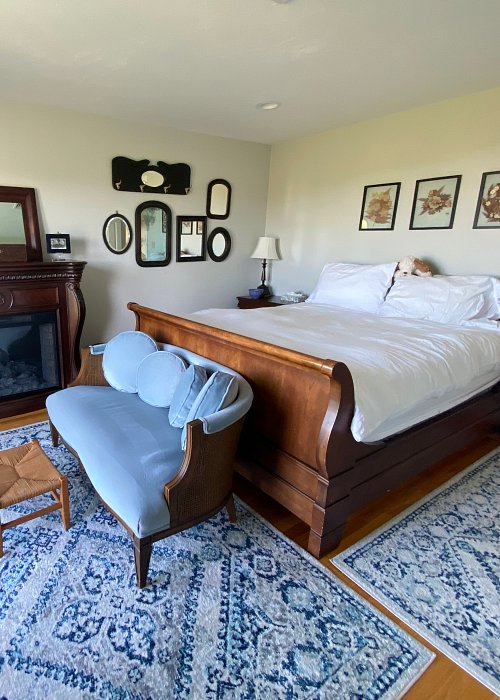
(316, 188)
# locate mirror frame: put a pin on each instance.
(191, 258)
(155, 205)
(209, 199)
(210, 244)
(127, 223)
(32, 250)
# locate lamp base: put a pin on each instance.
(266, 291)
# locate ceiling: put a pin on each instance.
(203, 65)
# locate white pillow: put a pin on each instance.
(444, 299)
(357, 287)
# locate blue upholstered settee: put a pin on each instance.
(158, 445)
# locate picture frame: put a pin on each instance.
(435, 202)
(58, 243)
(488, 201)
(379, 206)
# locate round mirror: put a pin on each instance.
(218, 199)
(219, 244)
(117, 233)
(152, 178)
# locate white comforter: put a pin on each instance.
(404, 371)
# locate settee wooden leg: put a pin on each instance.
(54, 435)
(231, 511)
(142, 555)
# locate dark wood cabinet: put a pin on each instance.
(246, 302)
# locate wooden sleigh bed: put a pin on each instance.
(297, 445)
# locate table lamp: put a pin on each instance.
(266, 250)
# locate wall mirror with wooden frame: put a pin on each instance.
(19, 229)
(153, 234)
(219, 244)
(218, 199)
(117, 233)
(191, 238)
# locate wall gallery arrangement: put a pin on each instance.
(153, 219)
(434, 203)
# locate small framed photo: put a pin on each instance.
(58, 243)
(378, 211)
(488, 202)
(435, 202)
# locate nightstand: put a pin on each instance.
(246, 302)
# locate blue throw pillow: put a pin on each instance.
(158, 376)
(122, 357)
(220, 391)
(185, 394)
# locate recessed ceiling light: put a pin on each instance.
(268, 105)
(281, 2)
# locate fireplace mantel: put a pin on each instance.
(27, 287)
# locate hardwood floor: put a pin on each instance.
(443, 680)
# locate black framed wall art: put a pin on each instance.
(488, 202)
(378, 210)
(435, 202)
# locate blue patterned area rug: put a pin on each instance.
(437, 567)
(232, 611)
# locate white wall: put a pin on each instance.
(316, 188)
(66, 156)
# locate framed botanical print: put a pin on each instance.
(435, 202)
(488, 202)
(378, 211)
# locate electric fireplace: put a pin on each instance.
(41, 319)
(41, 309)
(29, 354)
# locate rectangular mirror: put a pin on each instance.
(19, 230)
(191, 238)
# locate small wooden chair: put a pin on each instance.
(26, 472)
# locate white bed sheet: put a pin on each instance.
(404, 370)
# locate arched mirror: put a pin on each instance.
(219, 244)
(153, 234)
(191, 238)
(218, 199)
(117, 233)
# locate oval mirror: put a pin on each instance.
(117, 233)
(219, 244)
(218, 199)
(191, 238)
(152, 178)
(153, 229)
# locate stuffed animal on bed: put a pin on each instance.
(412, 266)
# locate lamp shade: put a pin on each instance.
(266, 249)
